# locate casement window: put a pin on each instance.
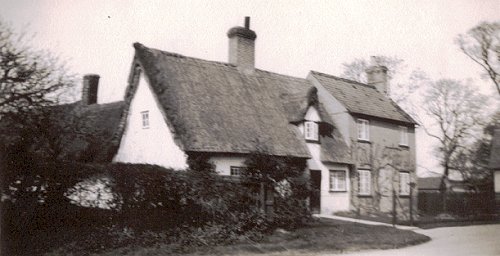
(236, 170)
(403, 135)
(404, 183)
(311, 130)
(338, 181)
(145, 119)
(363, 130)
(365, 182)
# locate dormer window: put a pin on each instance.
(311, 131)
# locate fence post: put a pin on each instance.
(394, 218)
(412, 185)
(262, 198)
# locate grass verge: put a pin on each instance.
(324, 235)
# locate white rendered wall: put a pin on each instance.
(223, 163)
(330, 201)
(334, 201)
(154, 145)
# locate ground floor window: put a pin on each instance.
(365, 182)
(236, 170)
(404, 183)
(338, 180)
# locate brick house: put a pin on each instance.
(380, 135)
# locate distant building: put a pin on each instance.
(495, 166)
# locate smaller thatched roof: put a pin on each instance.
(77, 132)
(363, 99)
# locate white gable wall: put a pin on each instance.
(153, 145)
(223, 163)
(330, 201)
(343, 120)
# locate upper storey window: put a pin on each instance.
(311, 130)
(363, 129)
(403, 135)
(145, 119)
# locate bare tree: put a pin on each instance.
(482, 45)
(29, 79)
(457, 112)
(355, 70)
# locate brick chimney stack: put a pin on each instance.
(89, 90)
(242, 46)
(376, 75)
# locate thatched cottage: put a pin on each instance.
(358, 144)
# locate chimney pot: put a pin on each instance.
(247, 22)
(90, 88)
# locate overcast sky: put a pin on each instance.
(293, 37)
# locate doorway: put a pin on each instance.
(315, 199)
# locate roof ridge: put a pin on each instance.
(401, 110)
(342, 79)
(140, 46)
(177, 55)
(281, 75)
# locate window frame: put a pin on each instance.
(403, 136)
(337, 188)
(237, 169)
(313, 130)
(407, 185)
(145, 121)
(363, 128)
(368, 183)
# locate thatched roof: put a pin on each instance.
(214, 107)
(495, 151)
(362, 99)
(94, 127)
(77, 132)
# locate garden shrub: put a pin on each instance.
(285, 176)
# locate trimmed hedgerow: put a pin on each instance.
(93, 207)
(89, 207)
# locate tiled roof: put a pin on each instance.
(362, 99)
